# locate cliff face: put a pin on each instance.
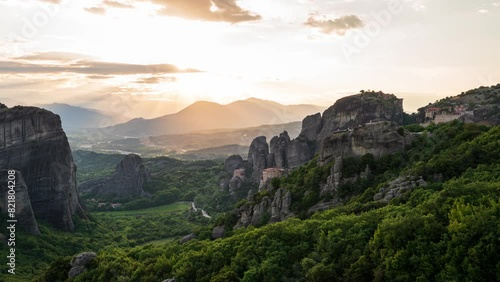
(258, 157)
(33, 142)
(24, 212)
(377, 138)
(327, 134)
(355, 110)
(128, 180)
(267, 211)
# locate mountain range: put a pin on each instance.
(204, 115)
(74, 117)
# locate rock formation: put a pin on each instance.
(280, 207)
(321, 133)
(33, 142)
(398, 187)
(334, 178)
(233, 162)
(279, 150)
(218, 232)
(376, 138)
(258, 157)
(24, 212)
(355, 110)
(267, 210)
(311, 126)
(353, 126)
(187, 238)
(79, 263)
(128, 180)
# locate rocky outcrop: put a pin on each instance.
(355, 110)
(279, 150)
(333, 180)
(280, 207)
(267, 210)
(376, 138)
(33, 142)
(311, 127)
(79, 263)
(258, 157)
(300, 151)
(398, 187)
(347, 114)
(233, 162)
(24, 212)
(187, 238)
(218, 232)
(128, 180)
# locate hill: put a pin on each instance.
(208, 115)
(73, 117)
(445, 230)
(221, 137)
(480, 105)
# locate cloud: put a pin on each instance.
(52, 1)
(99, 76)
(206, 10)
(155, 79)
(89, 68)
(55, 56)
(96, 10)
(339, 26)
(117, 4)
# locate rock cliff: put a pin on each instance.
(353, 126)
(33, 142)
(258, 157)
(376, 138)
(346, 114)
(24, 212)
(355, 110)
(128, 180)
(267, 210)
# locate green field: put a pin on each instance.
(177, 206)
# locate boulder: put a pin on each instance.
(79, 263)
(218, 232)
(188, 238)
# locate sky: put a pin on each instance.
(152, 57)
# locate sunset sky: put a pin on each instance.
(165, 54)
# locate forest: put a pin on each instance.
(447, 230)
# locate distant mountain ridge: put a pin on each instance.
(204, 115)
(74, 117)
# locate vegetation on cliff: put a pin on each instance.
(445, 231)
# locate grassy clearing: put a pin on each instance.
(161, 241)
(178, 206)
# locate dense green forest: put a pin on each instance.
(447, 230)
